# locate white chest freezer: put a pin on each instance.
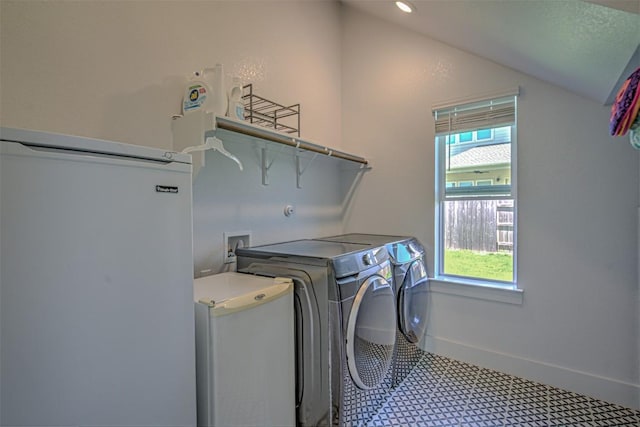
(245, 343)
(96, 274)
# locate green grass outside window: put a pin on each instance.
(479, 265)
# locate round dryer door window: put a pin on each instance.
(371, 332)
(412, 302)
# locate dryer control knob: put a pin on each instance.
(367, 259)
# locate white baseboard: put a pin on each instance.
(603, 388)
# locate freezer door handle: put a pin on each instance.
(21, 148)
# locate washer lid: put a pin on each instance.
(366, 239)
(306, 248)
(412, 302)
(371, 332)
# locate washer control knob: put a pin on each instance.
(367, 259)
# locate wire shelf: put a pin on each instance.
(264, 112)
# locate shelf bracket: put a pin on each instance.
(265, 166)
(300, 170)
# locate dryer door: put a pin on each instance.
(412, 302)
(371, 332)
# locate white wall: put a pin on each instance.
(226, 199)
(578, 324)
(117, 70)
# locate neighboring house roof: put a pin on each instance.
(483, 155)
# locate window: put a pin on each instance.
(475, 190)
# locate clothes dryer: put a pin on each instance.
(345, 333)
(411, 286)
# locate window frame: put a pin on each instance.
(440, 198)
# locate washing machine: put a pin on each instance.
(411, 286)
(345, 313)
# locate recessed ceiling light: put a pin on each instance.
(405, 6)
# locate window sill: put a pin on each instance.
(478, 290)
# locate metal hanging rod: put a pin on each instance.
(266, 134)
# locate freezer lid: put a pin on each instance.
(228, 293)
(90, 145)
(250, 300)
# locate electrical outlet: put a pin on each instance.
(233, 240)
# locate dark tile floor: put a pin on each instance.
(445, 392)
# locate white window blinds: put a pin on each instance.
(482, 114)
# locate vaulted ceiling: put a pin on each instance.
(588, 47)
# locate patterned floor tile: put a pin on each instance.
(481, 424)
(431, 418)
(623, 417)
(525, 422)
(480, 405)
(482, 417)
(445, 392)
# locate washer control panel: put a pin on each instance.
(351, 264)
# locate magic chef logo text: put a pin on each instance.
(166, 189)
